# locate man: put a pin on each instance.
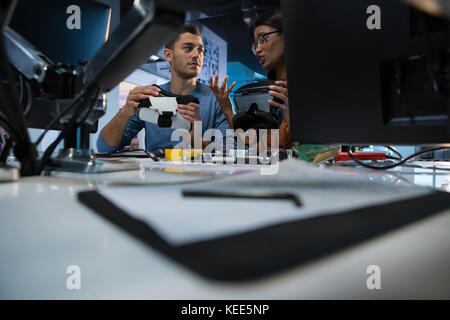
(185, 56)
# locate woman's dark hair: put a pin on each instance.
(271, 18)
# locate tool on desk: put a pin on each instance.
(134, 153)
(343, 156)
(156, 154)
(183, 154)
(244, 194)
(315, 153)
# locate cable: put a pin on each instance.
(11, 104)
(2, 136)
(400, 157)
(395, 164)
(6, 123)
(49, 151)
(392, 158)
(47, 154)
(1, 105)
(24, 150)
(58, 117)
(8, 129)
(5, 151)
(29, 99)
(20, 88)
(23, 84)
(91, 107)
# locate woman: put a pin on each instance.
(268, 46)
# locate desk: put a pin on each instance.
(44, 229)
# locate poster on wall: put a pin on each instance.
(214, 57)
(210, 61)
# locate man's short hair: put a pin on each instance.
(191, 28)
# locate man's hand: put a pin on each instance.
(191, 113)
(113, 132)
(223, 96)
(280, 91)
(136, 95)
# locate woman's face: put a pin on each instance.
(271, 53)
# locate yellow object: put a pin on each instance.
(326, 155)
(173, 154)
(182, 154)
(173, 170)
(191, 153)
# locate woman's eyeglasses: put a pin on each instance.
(261, 40)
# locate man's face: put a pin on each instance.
(186, 58)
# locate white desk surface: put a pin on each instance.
(44, 229)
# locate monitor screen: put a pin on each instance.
(50, 26)
(52, 30)
(366, 72)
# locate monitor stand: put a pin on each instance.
(77, 157)
(83, 161)
(8, 173)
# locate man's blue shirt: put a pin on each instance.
(155, 137)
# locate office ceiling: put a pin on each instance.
(230, 26)
(236, 33)
(228, 23)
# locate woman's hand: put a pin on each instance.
(223, 96)
(223, 93)
(280, 91)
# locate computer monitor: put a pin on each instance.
(44, 24)
(351, 82)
